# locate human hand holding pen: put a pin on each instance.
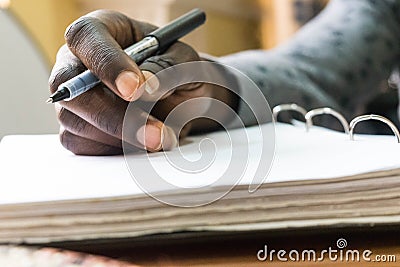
(91, 124)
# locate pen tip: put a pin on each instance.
(49, 101)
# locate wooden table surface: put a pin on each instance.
(241, 249)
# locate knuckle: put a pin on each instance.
(61, 113)
(67, 141)
(178, 53)
(53, 84)
(143, 28)
(72, 122)
(80, 146)
(186, 51)
(63, 116)
(66, 67)
(58, 76)
(71, 143)
(157, 63)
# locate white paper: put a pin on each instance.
(322, 153)
(37, 168)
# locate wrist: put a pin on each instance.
(227, 99)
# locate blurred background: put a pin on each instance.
(32, 32)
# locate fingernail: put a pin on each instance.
(152, 82)
(127, 83)
(149, 89)
(155, 137)
(150, 137)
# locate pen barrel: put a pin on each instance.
(178, 28)
(87, 80)
(80, 84)
(143, 49)
(154, 42)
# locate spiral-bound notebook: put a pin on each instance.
(319, 179)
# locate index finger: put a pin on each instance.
(98, 39)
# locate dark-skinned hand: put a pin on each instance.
(92, 124)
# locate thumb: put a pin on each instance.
(96, 39)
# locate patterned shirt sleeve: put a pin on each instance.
(339, 59)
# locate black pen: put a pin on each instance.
(154, 42)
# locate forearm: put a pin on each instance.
(337, 60)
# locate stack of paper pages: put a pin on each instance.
(317, 179)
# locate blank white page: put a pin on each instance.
(322, 153)
(30, 165)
